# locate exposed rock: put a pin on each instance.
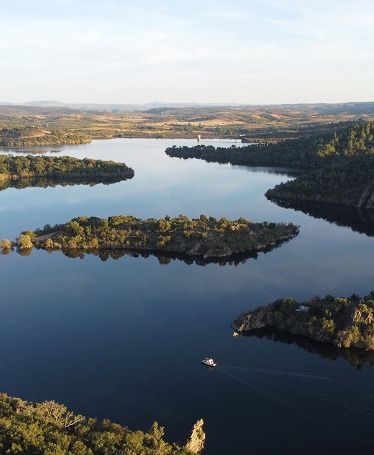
(256, 319)
(367, 197)
(344, 322)
(195, 442)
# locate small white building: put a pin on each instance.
(302, 308)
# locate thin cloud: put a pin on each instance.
(70, 48)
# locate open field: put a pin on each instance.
(30, 125)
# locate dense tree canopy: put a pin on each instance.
(344, 321)
(31, 136)
(202, 237)
(313, 151)
(15, 167)
(348, 181)
(340, 165)
(49, 428)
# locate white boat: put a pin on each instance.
(209, 362)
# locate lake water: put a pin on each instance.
(123, 339)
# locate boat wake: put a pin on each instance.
(323, 401)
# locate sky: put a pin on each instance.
(187, 51)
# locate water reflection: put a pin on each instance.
(163, 257)
(36, 182)
(286, 171)
(27, 150)
(356, 357)
(359, 220)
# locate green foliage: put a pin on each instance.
(31, 136)
(345, 175)
(6, 244)
(348, 182)
(313, 151)
(344, 321)
(340, 164)
(49, 428)
(297, 152)
(30, 233)
(196, 237)
(356, 140)
(24, 242)
(15, 167)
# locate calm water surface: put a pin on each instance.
(123, 339)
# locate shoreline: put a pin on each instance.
(345, 322)
(202, 238)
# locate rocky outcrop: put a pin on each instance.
(344, 322)
(366, 200)
(196, 440)
(256, 319)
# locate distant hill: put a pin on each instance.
(108, 107)
(45, 103)
(28, 109)
(250, 123)
(351, 108)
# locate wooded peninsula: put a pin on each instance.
(49, 428)
(346, 322)
(337, 167)
(204, 237)
(28, 169)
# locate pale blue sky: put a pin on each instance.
(207, 51)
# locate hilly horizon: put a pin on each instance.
(349, 107)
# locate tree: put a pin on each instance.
(49, 244)
(6, 244)
(24, 242)
(30, 233)
(155, 441)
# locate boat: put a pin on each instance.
(209, 362)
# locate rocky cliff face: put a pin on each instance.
(195, 442)
(366, 200)
(342, 322)
(257, 319)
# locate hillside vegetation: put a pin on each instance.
(349, 182)
(340, 165)
(31, 136)
(346, 322)
(48, 428)
(347, 176)
(315, 151)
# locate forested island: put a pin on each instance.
(22, 171)
(49, 428)
(338, 167)
(346, 322)
(203, 237)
